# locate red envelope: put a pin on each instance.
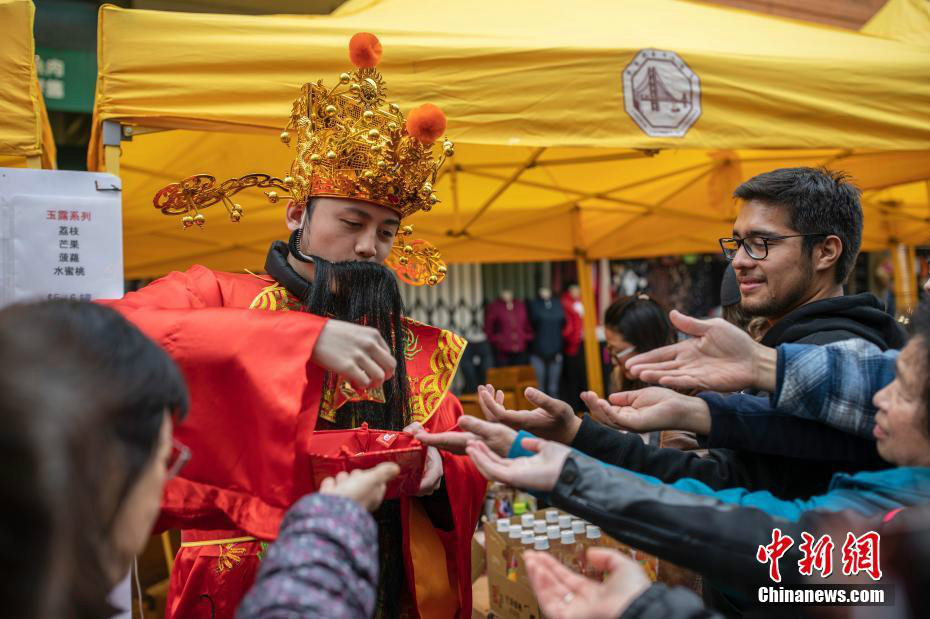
(334, 451)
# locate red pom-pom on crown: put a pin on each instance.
(426, 123)
(365, 50)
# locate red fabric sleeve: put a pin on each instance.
(253, 394)
(466, 489)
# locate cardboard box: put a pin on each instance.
(510, 597)
(509, 590)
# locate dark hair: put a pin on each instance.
(95, 391)
(818, 201)
(641, 321)
(920, 327)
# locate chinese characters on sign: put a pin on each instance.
(60, 236)
(68, 240)
(859, 554)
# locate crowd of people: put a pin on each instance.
(818, 426)
(201, 402)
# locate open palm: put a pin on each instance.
(717, 358)
(650, 409)
(564, 594)
(552, 419)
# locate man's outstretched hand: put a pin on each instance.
(650, 409)
(718, 357)
(553, 419)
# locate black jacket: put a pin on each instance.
(837, 319)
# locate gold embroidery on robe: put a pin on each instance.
(442, 364)
(275, 298)
(230, 556)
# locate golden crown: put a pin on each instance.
(348, 145)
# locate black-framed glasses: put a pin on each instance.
(757, 247)
(180, 455)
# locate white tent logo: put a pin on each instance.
(661, 93)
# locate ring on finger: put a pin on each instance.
(567, 598)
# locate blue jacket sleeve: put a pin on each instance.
(743, 421)
(833, 384)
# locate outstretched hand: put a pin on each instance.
(565, 594)
(364, 486)
(650, 409)
(552, 419)
(497, 436)
(719, 357)
(539, 472)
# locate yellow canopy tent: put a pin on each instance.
(25, 135)
(902, 20)
(549, 163)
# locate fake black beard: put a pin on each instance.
(365, 293)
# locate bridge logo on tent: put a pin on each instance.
(661, 93)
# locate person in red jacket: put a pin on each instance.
(319, 342)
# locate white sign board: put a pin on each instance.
(61, 235)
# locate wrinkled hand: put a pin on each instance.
(364, 486)
(539, 472)
(432, 469)
(565, 594)
(649, 409)
(354, 352)
(553, 420)
(719, 357)
(497, 436)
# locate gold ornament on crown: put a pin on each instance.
(348, 145)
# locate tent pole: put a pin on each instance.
(905, 292)
(592, 351)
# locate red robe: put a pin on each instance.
(255, 400)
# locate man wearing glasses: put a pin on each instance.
(794, 244)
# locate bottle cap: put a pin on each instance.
(541, 543)
(552, 516)
(503, 525)
(539, 527)
(565, 521)
(568, 537)
(593, 532)
(527, 520)
(526, 537)
(515, 531)
(552, 532)
(578, 527)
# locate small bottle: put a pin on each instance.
(527, 521)
(565, 522)
(503, 526)
(514, 533)
(541, 543)
(578, 528)
(539, 526)
(553, 534)
(568, 554)
(527, 538)
(519, 508)
(592, 539)
(552, 516)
